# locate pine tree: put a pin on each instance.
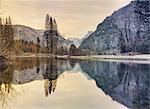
(55, 25)
(47, 22)
(72, 50)
(38, 44)
(51, 35)
(51, 24)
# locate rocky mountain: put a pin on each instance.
(126, 30)
(31, 34)
(77, 41)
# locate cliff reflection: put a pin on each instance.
(126, 83)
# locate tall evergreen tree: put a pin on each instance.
(47, 22)
(38, 44)
(72, 50)
(51, 35)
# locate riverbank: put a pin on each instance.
(144, 57)
(26, 55)
(114, 57)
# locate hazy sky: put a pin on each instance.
(74, 17)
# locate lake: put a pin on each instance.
(49, 83)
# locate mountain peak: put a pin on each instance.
(126, 30)
(142, 0)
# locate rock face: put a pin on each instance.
(126, 30)
(30, 34)
(27, 33)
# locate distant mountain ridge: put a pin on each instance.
(31, 34)
(126, 30)
(77, 41)
(27, 33)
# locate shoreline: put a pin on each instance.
(113, 57)
(30, 55)
(144, 57)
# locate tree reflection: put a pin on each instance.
(47, 66)
(38, 65)
(25, 70)
(6, 88)
(50, 76)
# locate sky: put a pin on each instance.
(74, 17)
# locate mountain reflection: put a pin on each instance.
(126, 83)
(47, 69)
(25, 70)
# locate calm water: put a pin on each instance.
(39, 83)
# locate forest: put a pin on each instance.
(10, 46)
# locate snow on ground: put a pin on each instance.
(142, 59)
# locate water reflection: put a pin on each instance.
(50, 76)
(126, 83)
(25, 70)
(6, 89)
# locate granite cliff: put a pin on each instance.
(126, 30)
